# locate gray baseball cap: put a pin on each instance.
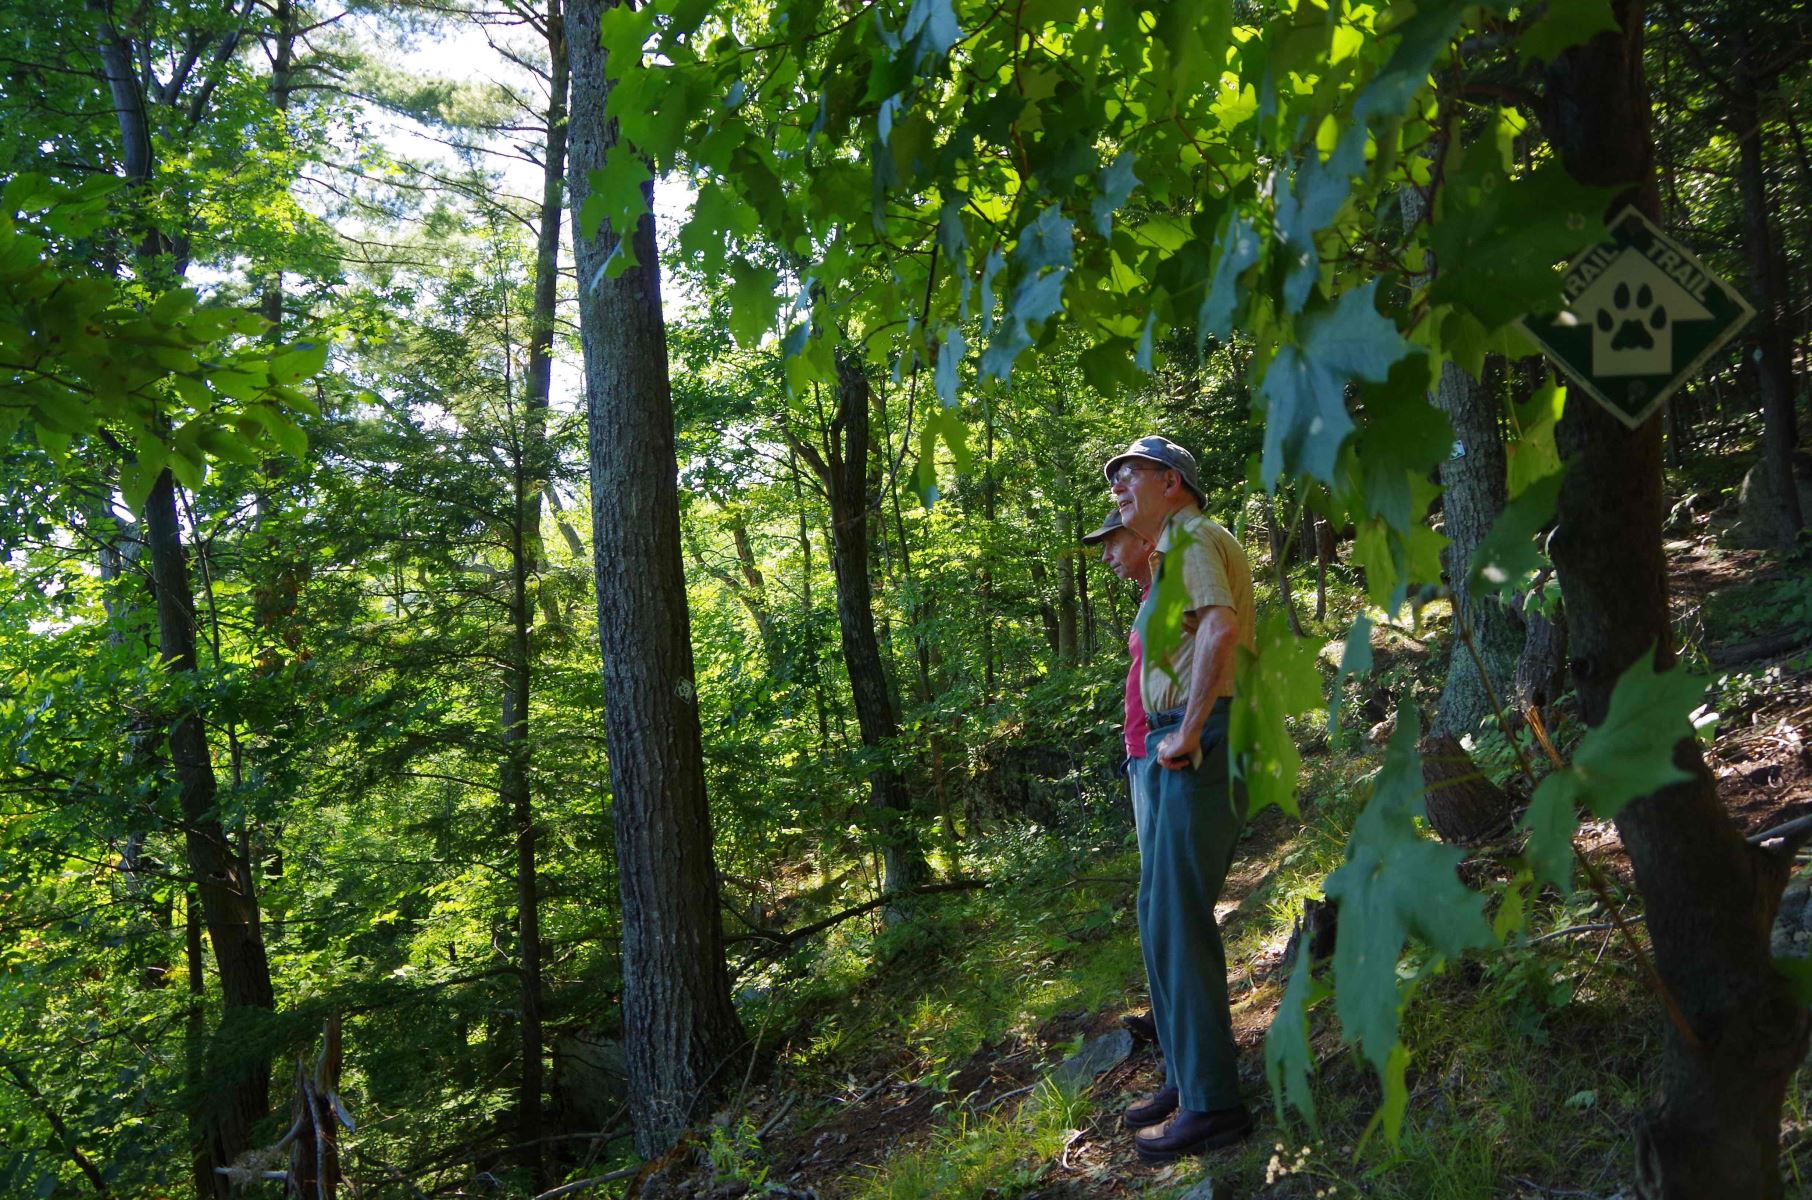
(1165, 453)
(1112, 523)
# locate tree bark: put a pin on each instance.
(1711, 897)
(532, 472)
(1473, 493)
(843, 470)
(1464, 807)
(680, 1029)
(238, 1069)
(1773, 308)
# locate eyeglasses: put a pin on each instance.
(1124, 476)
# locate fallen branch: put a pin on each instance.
(1008, 1096)
(580, 1185)
(773, 1122)
(1573, 929)
(1762, 647)
(781, 938)
(1791, 834)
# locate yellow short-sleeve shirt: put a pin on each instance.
(1215, 572)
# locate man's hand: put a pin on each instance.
(1180, 748)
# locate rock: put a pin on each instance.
(1097, 1056)
(1208, 1189)
(1756, 500)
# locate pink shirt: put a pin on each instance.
(1136, 724)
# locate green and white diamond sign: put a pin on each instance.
(1642, 316)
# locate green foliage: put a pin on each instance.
(1277, 683)
(1629, 754)
(164, 375)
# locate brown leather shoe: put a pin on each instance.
(1191, 1132)
(1151, 1110)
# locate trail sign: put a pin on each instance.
(1642, 316)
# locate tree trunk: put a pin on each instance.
(1066, 587)
(1473, 493)
(1464, 807)
(518, 799)
(239, 1067)
(1541, 669)
(986, 574)
(680, 1029)
(1326, 547)
(1710, 896)
(843, 470)
(1773, 308)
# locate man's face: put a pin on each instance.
(1125, 553)
(1142, 490)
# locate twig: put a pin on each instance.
(773, 1122)
(1600, 927)
(781, 938)
(579, 1185)
(1008, 1096)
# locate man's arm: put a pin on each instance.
(1209, 675)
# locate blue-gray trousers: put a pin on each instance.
(1194, 821)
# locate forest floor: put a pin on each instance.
(936, 1073)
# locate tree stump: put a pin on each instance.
(1464, 807)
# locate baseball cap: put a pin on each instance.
(1165, 453)
(1112, 523)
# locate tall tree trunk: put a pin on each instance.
(1773, 309)
(843, 470)
(239, 1070)
(1473, 493)
(518, 799)
(680, 1029)
(237, 1060)
(805, 598)
(1066, 587)
(1711, 897)
(531, 482)
(987, 569)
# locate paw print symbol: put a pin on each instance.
(1635, 316)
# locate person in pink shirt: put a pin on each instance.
(1128, 556)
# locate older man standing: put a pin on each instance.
(1195, 814)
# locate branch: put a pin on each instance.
(781, 938)
(567, 1189)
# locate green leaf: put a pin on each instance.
(1551, 820)
(1115, 185)
(1278, 682)
(754, 302)
(1288, 1059)
(931, 29)
(299, 363)
(718, 217)
(1395, 884)
(1566, 23)
(949, 356)
(1305, 388)
(1628, 755)
(1498, 242)
(1239, 248)
(1532, 456)
(616, 193)
(1509, 555)
(1355, 660)
(1307, 202)
(623, 31)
